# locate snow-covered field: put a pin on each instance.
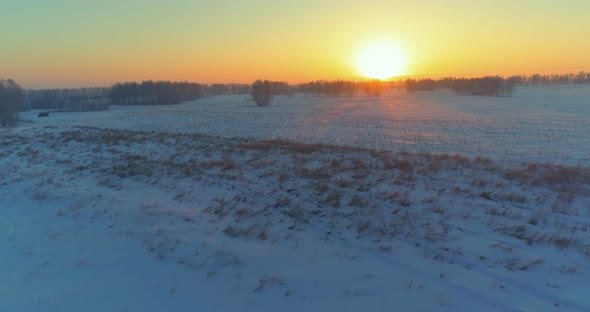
(536, 124)
(186, 208)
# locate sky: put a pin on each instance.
(75, 43)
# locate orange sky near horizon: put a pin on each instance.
(67, 43)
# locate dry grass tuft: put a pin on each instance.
(332, 198)
(557, 177)
(249, 232)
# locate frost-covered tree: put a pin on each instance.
(12, 99)
(155, 92)
(262, 92)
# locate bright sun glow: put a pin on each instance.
(381, 60)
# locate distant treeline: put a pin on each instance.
(489, 86)
(553, 79)
(345, 87)
(75, 100)
(493, 85)
(127, 93)
(167, 92)
(227, 88)
(155, 92)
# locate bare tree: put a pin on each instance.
(11, 101)
(261, 92)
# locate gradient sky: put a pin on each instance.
(73, 43)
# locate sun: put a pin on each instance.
(381, 60)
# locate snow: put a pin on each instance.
(540, 124)
(185, 208)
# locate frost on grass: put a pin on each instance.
(450, 209)
(386, 194)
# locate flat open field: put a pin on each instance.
(537, 124)
(204, 206)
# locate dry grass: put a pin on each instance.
(514, 197)
(253, 231)
(357, 201)
(514, 264)
(380, 194)
(332, 199)
(321, 173)
(556, 177)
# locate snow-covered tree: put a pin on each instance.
(11, 101)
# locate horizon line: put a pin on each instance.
(350, 78)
